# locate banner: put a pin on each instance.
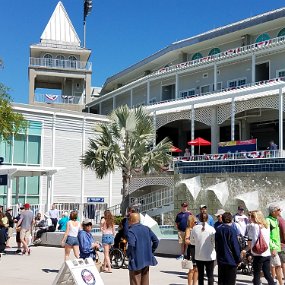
(237, 146)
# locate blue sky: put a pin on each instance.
(119, 33)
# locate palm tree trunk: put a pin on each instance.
(125, 191)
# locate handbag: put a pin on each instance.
(260, 245)
(187, 264)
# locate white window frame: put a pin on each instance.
(236, 80)
(278, 71)
(187, 93)
(208, 85)
(218, 83)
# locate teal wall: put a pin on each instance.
(23, 149)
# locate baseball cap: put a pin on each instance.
(273, 207)
(220, 212)
(203, 207)
(9, 209)
(184, 204)
(87, 222)
(27, 206)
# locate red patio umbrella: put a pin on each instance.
(199, 142)
(175, 149)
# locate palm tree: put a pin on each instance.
(126, 143)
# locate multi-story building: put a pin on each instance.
(223, 85)
(43, 165)
(226, 84)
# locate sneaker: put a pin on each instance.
(37, 241)
(180, 257)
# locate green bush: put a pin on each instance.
(118, 220)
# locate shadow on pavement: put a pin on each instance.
(50, 270)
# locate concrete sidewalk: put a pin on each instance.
(42, 265)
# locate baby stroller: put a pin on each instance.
(246, 264)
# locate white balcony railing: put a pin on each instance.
(184, 66)
(60, 64)
(58, 99)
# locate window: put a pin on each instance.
(48, 59)
(236, 82)
(214, 51)
(168, 92)
(59, 61)
(152, 100)
(72, 60)
(281, 33)
(219, 86)
(280, 73)
(205, 89)
(187, 93)
(20, 144)
(262, 38)
(34, 149)
(197, 55)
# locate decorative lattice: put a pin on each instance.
(224, 112)
(139, 182)
(204, 115)
(268, 102)
(164, 119)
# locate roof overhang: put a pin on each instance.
(28, 171)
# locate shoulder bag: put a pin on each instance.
(187, 264)
(260, 245)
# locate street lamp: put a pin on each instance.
(87, 8)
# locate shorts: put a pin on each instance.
(72, 241)
(10, 232)
(191, 253)
(181, 237)
(107, 239)
(275, 260)
(24, 233)
(282, 256)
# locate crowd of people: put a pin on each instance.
(230, 241)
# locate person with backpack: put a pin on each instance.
(261, 261)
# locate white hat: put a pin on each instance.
(220, 212)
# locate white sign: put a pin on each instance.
(78, 272)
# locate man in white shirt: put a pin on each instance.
(54, 215)
(241, 219)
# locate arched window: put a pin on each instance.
(48, 59)
(197, 55)
(73, 60)
(281, 33)
(59, 61)
(262, 38)
(214, 51)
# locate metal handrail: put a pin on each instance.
(60, 64)
(58, 99)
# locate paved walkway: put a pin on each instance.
(42, 265)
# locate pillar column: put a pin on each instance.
(281, 122)
(148, 92)
(82, 192)
(233, 120)
(192, 128)
(131, 98)
(215, 77)
(9, 191)
(154, 127)
(215, 131)
(176, 86)
(253, 60)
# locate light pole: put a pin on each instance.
(86, 11)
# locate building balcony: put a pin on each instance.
(60, 64)
(255, 161)
(234, 54)
(58, 99)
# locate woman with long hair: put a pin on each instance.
(70, 239)
(193, 273)
(260, 261)
(203, 237)
(107, 226)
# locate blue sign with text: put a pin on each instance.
(95, 200)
